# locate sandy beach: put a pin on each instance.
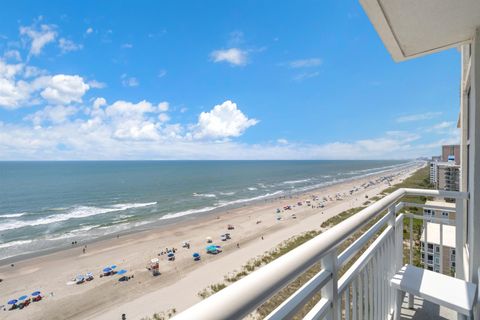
(180, 281)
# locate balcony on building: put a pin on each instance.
(360, 257)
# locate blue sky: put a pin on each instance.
(215, 80)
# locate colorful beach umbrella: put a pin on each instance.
(123, 271)
(36, 293)
(14, 301)
(22, 298)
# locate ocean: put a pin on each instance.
(47, 205)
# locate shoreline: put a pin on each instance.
(181, 280)
(168, 222)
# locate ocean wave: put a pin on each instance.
(186, 213)
(205, 195)
(74, 213)
(252, 188)
(218, 205)
(14, 243)
(13, 215)
(227, 193)
(296, 181)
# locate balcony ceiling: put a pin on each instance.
(411, 28)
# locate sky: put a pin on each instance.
(111, 80)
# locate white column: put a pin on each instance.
(474, 161)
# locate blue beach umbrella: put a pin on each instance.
(14, 301)
(123, 271)
(113, 266)
(107, 269)
(170, 254)
(36, 293)
(196, 255)
(22, 298)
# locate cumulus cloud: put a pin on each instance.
(89, 30)
(233, 56)
(163, 106)
(54, 114)
(223, 121)
(63, 89)
(66, 45)
(39, 37)
(282, 141)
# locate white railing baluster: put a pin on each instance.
(330, 290)
(347, 303)
(354, 298)
(441, 248)
(360, 296)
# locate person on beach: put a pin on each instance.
(238, 245)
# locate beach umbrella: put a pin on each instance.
(107, 270)
(113, 267)
(36, 293)
(14, 301)
(123, 271)
(89, 274)
(170, 254)
(22, 298)
(196, 255)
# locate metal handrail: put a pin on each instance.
(243, 296)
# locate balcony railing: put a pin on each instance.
(361, 292)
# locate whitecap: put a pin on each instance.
(74, 213)
(13, 215)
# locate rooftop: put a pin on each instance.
(433, 234)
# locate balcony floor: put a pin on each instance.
(425, 310)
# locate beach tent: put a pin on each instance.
(12, 302)
(212, 249)
(36, 293)
(107, 270)
(22, 298)
(121, 272)
(113, 266)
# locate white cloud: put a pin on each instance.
(163, 117)
(306, 75)
(66, 45)
(418, 117)
(13, 54)
(305, 63)
(99, 102)
(127, 45)
(96, 84)
(54, 114)
(63, 89)
(223, 121)
(234, 56)
(129, 81)
(39, 38)
(89, 30)
(163, 106)
(282, 141)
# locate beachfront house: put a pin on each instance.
(376, 284)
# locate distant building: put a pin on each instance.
(451, 153)
(448, 176)
(435, 244)
(433, 172)
(439, 252)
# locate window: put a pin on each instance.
(437, 249)
(445, 214)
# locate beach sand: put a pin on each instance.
(180, 280)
